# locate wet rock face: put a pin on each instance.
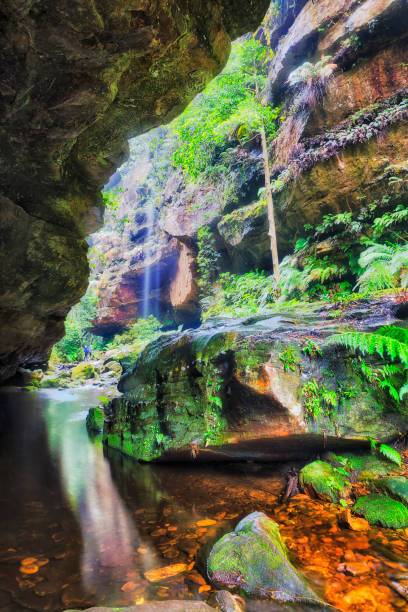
(77, 80)
(248, 380)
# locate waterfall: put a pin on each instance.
(147, 283)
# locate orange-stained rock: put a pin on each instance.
(156, 575)
(184, 288)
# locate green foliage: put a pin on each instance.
(318, 400)
(139, 334)
(382, 510)
(77, 325)
(207, 259)
(239, 295)
(312, 349)
(290, 359)
(387, 220)
(390, 453)
(387, 451)
(226, 104)
(309, 281)
(384, 266)
(111, 198)
(215, 423)
(388, 342)
(316, 73)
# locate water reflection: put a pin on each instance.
(109, 537)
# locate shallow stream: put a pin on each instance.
(94, 525)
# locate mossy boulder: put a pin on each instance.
(255, 558)
(396, 487)
(95, 419)
(324, 480)
(55, 381)
(371, 466)
(112, 366)
(382, 510)
(83, 371)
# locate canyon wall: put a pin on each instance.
(341, 145)
(77, 80)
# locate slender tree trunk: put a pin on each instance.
(269, 200)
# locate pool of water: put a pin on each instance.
(96, 525)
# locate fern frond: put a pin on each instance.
(372, 343)
(403, 391)
(375, 253)
(390, 453)
(395, 332)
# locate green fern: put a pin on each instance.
(390, 453)
(385, 266)
(385, 342)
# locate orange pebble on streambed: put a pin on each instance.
(29, 569)
(206, 523)
(29, 561)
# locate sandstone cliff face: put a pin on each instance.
(338, 152)
(340, 149)
(77, 80)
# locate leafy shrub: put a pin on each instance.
(240, 295)
(77, 333)
(208, 123)
(140, 333)
(318, 400)
(391, 344)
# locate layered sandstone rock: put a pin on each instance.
(237, 389)
(77, 80)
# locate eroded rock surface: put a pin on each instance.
(77, 80)
(228, 388)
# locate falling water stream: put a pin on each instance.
(147, 282)
(93, 526)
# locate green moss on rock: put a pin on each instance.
(326, 481)
(254, 558)
(396, 487)
(83, 371)
(370, 466)
(382, 510)
(95, 419)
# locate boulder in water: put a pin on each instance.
(95, 419)
(254, 558)
(83, 371)
(324, 481)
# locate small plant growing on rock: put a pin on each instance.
(312, 349)
(318, 400)
(311, 79)
(290, 359)
(310, 73)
